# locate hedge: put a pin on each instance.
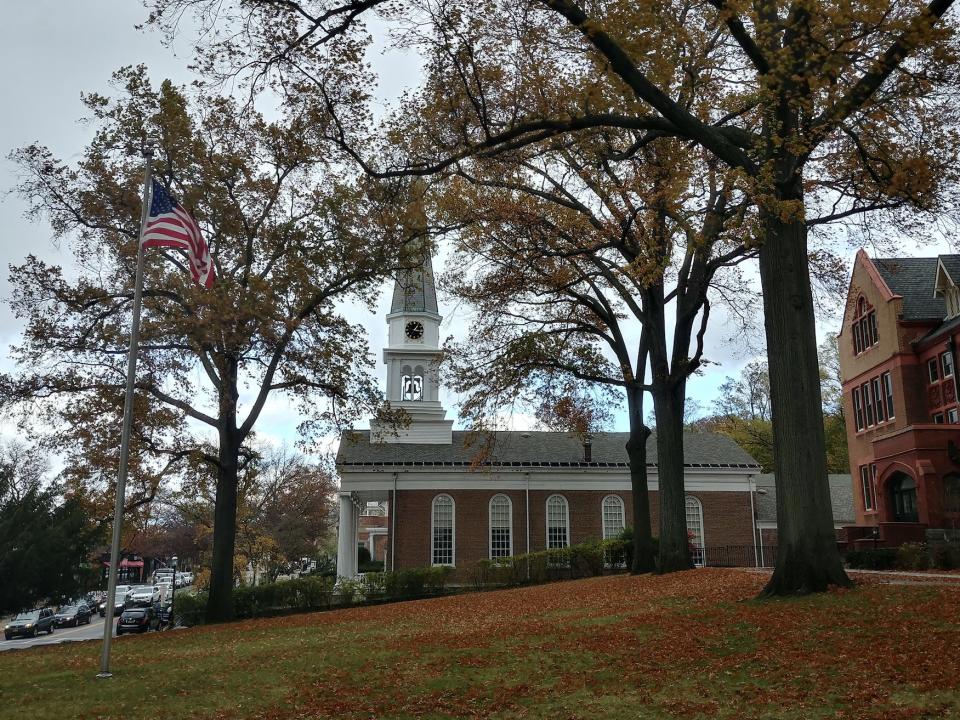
(576, 561)
(317, 592)
(909, 556)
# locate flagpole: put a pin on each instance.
(125, 433)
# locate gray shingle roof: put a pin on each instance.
(841, 498)
(415, 290)
(536, 449)
(913, 279)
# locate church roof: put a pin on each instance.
(415, 290)
(841, 498)
(536, 449)
(914, 280)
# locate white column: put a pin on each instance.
(354, 558)
(346, 535)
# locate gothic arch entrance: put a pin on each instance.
(903, 497)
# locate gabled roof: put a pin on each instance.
(841, 499)
(415, 289)
(914, 279)
(951, 263)
(537, 449)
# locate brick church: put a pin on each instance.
(433, 499)
(898, 357)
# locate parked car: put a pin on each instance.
(163, 574)
(29, 623)
(137, 620)
(184, 579)
(75, 615)
(119, 600)
(148, 594)
(166, 590)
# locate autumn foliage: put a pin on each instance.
(692, 644)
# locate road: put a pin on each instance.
(93, 631)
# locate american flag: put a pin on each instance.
(169, 225)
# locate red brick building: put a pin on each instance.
(898, 356)
(454, 499)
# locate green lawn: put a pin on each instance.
(692, 645)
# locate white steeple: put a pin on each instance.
(411, 356)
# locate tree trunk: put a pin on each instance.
(807, 557)
(220, 599)
(668, 402)
(643, 555)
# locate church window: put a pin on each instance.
(857, 408)
(443, 526)
(558, 522)
(613, 520)
(695, 530)
(501, 526)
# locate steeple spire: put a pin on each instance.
(412, 356)
(415, 290)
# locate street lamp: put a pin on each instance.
(173, 594)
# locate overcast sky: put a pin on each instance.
(52, 50)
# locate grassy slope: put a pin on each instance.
(688, 645)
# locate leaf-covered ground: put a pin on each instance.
(692, 645)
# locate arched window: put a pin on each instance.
(501, 527)
(951, 493)
(613, 517)
(903, 491)
(558, 522)
(443, 530)
(695, 530)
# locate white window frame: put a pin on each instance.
(887, 382)
(859, 417)
(866, 488)
(566, 520)
(490, 525)
(952, 416)
(453, 530)
(933, 370)
(702, 555)
(603, 516)
(939, 419)
(879, 402)
(946, 362)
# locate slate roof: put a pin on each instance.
(841, 498)
(537, 449)
(415, 290)
(913, 279)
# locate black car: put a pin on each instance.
(75, 615)
(30, 623)
(138, 620)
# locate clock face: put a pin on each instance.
(414, 330)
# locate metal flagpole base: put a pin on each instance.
(104, 675)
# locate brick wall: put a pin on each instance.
(726, 519)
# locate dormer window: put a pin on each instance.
(865, 333)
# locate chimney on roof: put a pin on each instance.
(587, 449)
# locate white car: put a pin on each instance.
(166, 589)
(145, 594)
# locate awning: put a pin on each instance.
(126, 563)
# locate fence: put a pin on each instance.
(735, 556)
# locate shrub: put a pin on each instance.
(872, 559)
(913, 556)
(946, 557)
(372, 566)
(188, 610)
